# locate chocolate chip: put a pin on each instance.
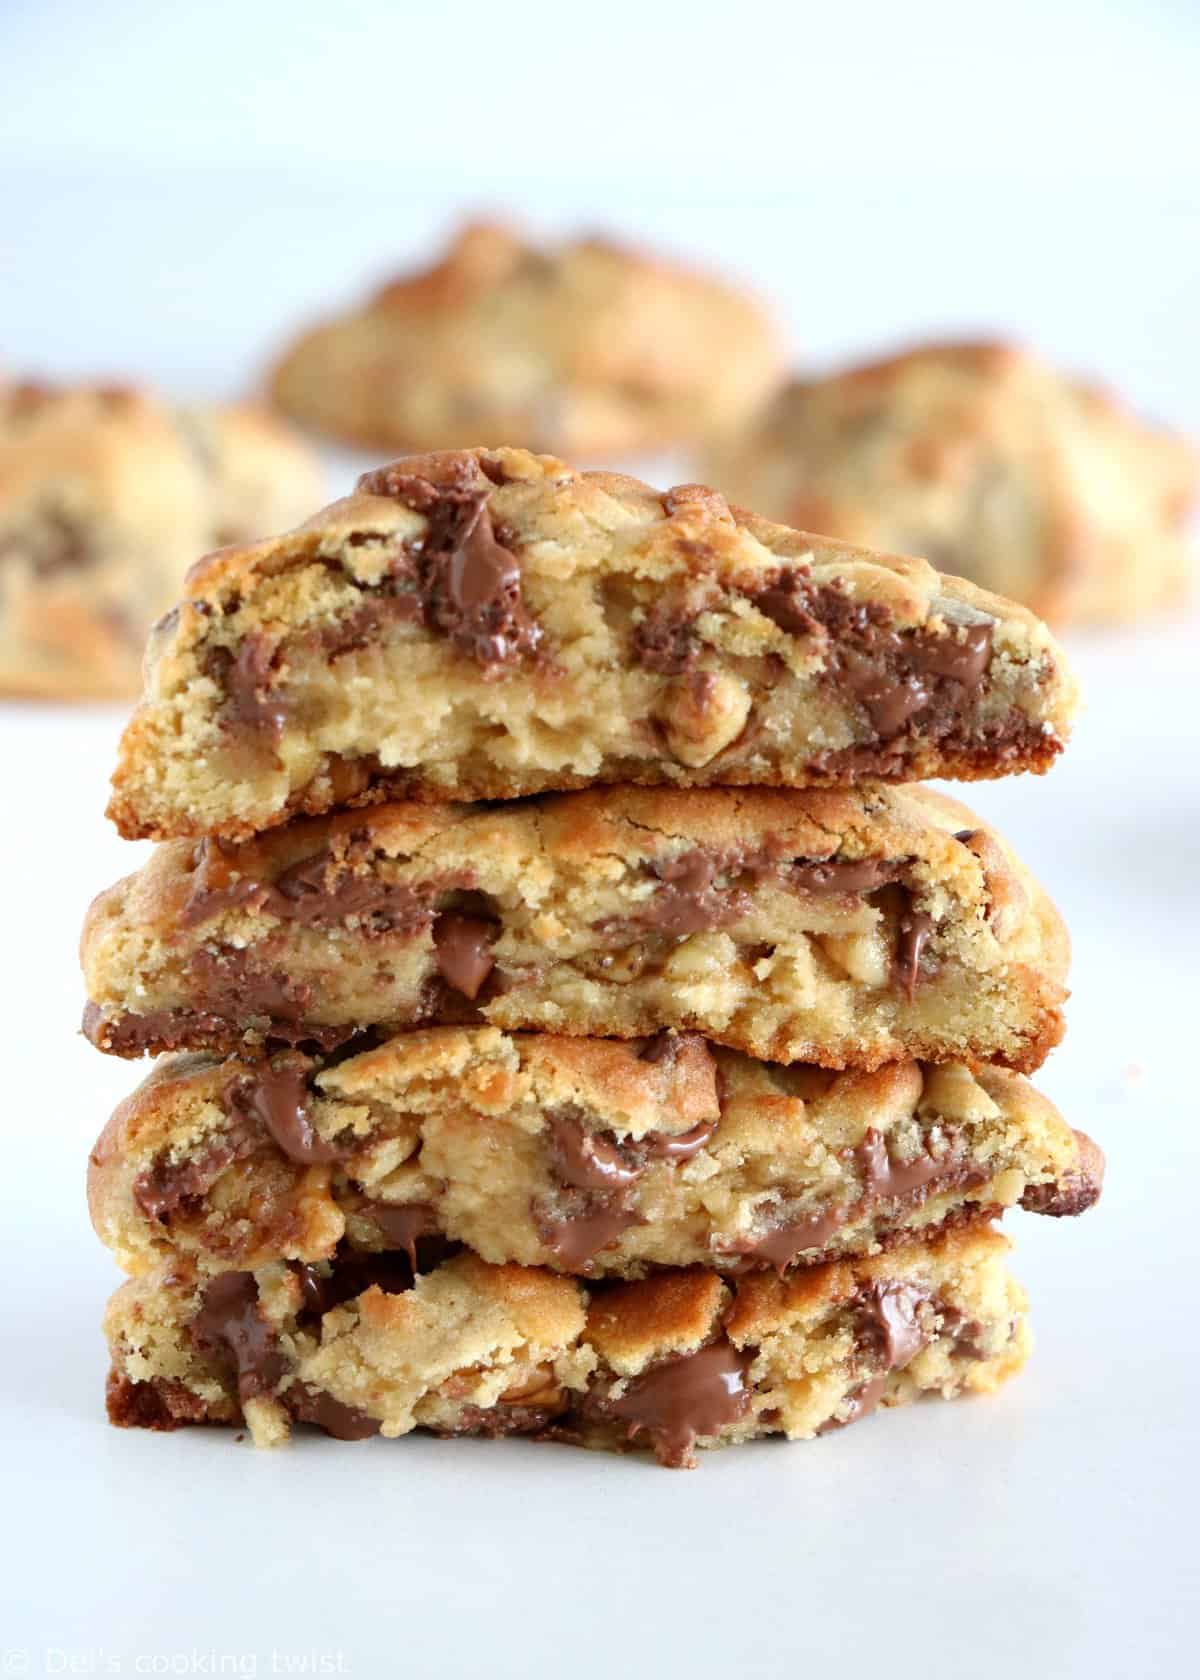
(316, 1406)
(168, 1187)
(253, 702)
(277, 1097)
(665, 641)
(463, 949)
(676, 1146)
(235, 987)
(833, 875)
(913, 929)
(962, 655)
(885, 1179)
(892, 1324)
(230, 1328)
(681, 1400)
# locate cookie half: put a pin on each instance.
(584, 347)
(673, 1362)
(992, 465)
(492, 624)
(584, 1155)
(845, 927)
(106, 496)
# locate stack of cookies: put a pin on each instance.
(573, 1023)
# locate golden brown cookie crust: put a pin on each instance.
(395, 646)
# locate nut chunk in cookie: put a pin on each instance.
(584, 347)
(587, 1156)
(491, 624)
(991, 464)
(682, 1360)
(843, 927)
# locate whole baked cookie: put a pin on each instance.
(848, 927)
(106, 495)
(490, 623)
(583, 1155)
(990, 464)
(587, 348)
(683, 1359)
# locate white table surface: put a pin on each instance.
(1051, 1528)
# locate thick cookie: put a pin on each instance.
(991, 465)
(847, 928)
(584, 1155)
(676, 1361)
(491, 624)
(586, 348)
(106, 496)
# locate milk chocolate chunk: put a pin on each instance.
(677, 1146)
(889, 700)
(684, 1399)
(892, 1322)
(913, 929)
(229, 1327)
(842, 875)
(314, 1405)
(886, 1179)
(277, 1097)
(1076, 1191)
(218, 884)
(464, 954)
(236, 987)
(665, 641)
(962, 655)
(576, 1224)
(586, 1160)
(692, 898)
(778, 1245)
(858, 1405)
(469, 582)
(166, 1187)
(403, 1224)
(253, 701)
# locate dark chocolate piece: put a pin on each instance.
(463, 945)
(277, 1097)
(230, 1328)
(315, 1405)
(683, 1399)
(892, 1325)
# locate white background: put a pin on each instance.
(179, 186)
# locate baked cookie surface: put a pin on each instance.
(490, 624)
(848, 927)
(586, 348)
(582, 1155)
(106, 496)
(991, 465)
(672, 1362)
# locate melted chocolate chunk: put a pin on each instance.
(235, 988)
(856, 1406)
(318, 891)
(665, 641)
(778, 1245)
(913, 928)
(277, 1097)
(403, 1224)
(347, 1278)
(897, 676)
(885, 1179)
(166, 1188)
(252, 700)
(682, 1400)
(195, 1029)
(1076, 1191)
(693, 898)
(834, 875)
(676, 1146)
(315, 1405)
(464, 955)
(585, 1159)
(467, 581)
(576, 1224)
(892, 1326)
(229, 1328)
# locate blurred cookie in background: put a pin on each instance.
(107, 495)
(585, 348)
(988, 463)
